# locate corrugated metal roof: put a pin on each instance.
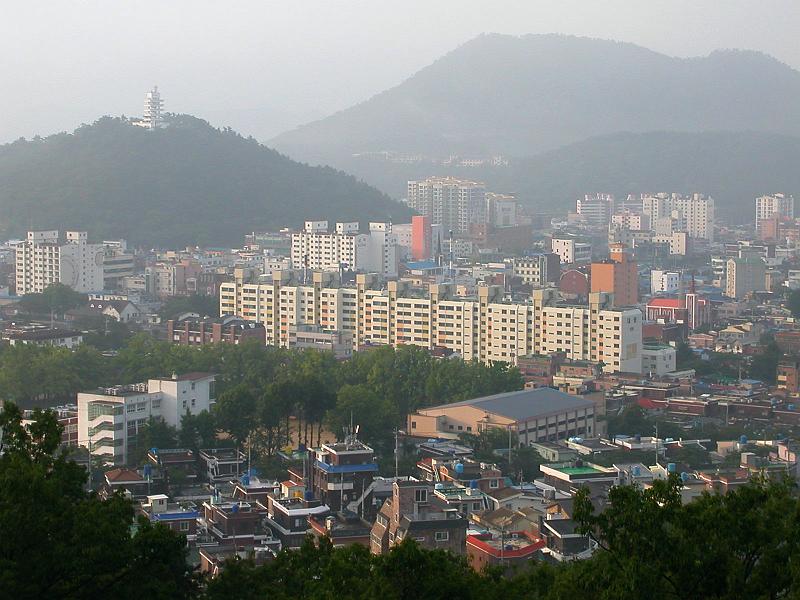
(525, 405)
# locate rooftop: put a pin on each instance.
(523, 405)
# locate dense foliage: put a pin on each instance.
(57, 541)
(185, 184)
(56, 298)
(260, 387)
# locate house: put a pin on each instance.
(511, 550)
(223, 464)
(180, 518)
(123, 311)
(413, 511)
(125, 480)
(344, 528)
(43, 336)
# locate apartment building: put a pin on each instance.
(571, 251)
(43, 259)
(744, 276)
(317, 249)
(618, 276)
(596, 209)
(480, 327)
(693, 214)
(455, 204)
(538, 269)
(631, 221)
(664, 282)
(501, 210)
(775, 205)
(110, 419)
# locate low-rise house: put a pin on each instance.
(512, 551)
(223, 464)
(43, 336)
(414, 511)
(179, 517)
(344, 528)
(289, 518)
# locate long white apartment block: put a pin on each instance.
(44, 258)
(482, 327)
(318, 249)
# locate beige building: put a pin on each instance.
(745, 275)
(781, 205)
(480, 327)
(534, 415)
(693, 214)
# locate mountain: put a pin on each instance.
(734, 167)
(187, 183)
(518, 96)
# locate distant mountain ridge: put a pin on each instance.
(188, 183)
(519, 96)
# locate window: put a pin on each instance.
(413, 424)
(494, 483)
(442, 536)
(421, 495)
(184, 525)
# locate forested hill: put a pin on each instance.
(734, 167)
(521, 95)
(188, 183)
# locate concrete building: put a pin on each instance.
(340, 343)
(478, 327)
(153, 108)
(118, 264)
(631, 221)
(317, 249)
(595, 209)
(421, 237)
(501, 210)
(534, 415)
(342, 474)
(538, 269)
(455, 204)
(658, 359)
(775, 205)
(43, 259)
(745, 275)
(664, 282)
(571, 251)
(693, 214)
(110, 419)
(193, 330)
(618, 275)
(43, 336)
(415, 511)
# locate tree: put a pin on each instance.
(156, 433)
(205, 306)
(375, 416)
(235, 412)
(58, 542)
(57, 298)
(793, 304)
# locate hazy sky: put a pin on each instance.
(262, 66)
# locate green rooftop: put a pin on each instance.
(579, 470)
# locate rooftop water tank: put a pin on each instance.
(473, 484)
(459, 468)
(672, 467)
(684, 477)
(438, 486)
(743, 439)
(309, 495)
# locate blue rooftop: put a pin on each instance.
(347, 468)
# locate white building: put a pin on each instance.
(693, 214)
(317, 249)
(110, 419)
(596, 209)
(571, 251)
(658, 359)
(501, 210)
(43, 259)
(664, 282)
(631, 220)
(153, 108)
(453, 203)
(781, 205)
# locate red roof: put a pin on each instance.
(667, 303)
(123, 475)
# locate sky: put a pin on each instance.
(263, 67)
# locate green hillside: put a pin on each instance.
(187, 183)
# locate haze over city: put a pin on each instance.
(265, 67)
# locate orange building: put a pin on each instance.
(421, 241)
(618, 275)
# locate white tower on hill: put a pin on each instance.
(153, 105)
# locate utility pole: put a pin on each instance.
(656, 442)
(396, 455)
